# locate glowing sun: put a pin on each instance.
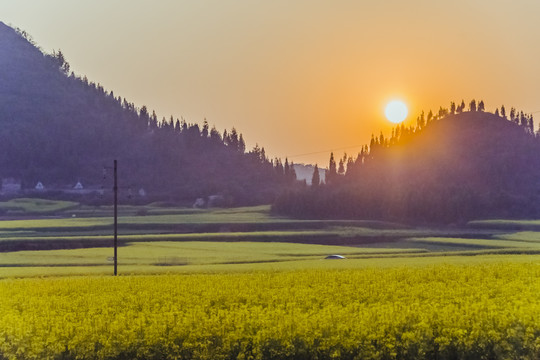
(396, 111)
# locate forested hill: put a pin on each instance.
(59, 128)
(458, 166)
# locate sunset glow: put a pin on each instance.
(277, 69)
(396, 111)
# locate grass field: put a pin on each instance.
(27, 206)
(69, 240)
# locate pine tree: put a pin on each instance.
(429, 117)
(233, 139)
(315, 179)
(292, 173)
(215, 135)
(442, 112)
(226, 140)
(332, 169)
(472, 105)
(279, 167)
(144, 118)
(153, 121)
(241, 144)
(204, 132)
(481, 105)
(350, 165)
(522, 119)
(503, 112)
(341, 169)
(421, 123)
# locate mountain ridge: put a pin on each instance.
(463, 166)
(58, 128)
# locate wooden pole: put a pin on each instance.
(115, 220)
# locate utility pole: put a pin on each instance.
(115, 188)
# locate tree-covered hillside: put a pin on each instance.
(59, 128)
(455, 166)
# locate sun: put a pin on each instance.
(396, 111)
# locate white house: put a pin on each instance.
(39, 186)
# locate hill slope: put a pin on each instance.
(463, 166)
(58, 128)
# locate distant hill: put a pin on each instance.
(461, 166)
(58, 128)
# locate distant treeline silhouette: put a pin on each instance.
(58, 128)
(453, 166)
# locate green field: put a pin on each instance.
(69, 238)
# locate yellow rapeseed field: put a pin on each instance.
(479, 311)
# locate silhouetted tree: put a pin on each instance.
(315, 178)
(420, 121)
(481, 105)
(241, 144)
(278, 167)
(153, 124)
(341, 168)
(512, 114)
(350, 164)
(292, 173)
(204, 132)
(60, 61)
(75, 126)
(472, 105)
(332, 170)
(144, 118)
(403, 180)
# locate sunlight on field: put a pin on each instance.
(238, 239)
(442, 311)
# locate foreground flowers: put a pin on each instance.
(476, 311)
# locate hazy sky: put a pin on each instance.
(301, 76)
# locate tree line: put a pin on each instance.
(454, 165)
(59, 128)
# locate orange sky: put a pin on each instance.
(299, 76)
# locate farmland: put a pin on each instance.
(40, 238)
(244, 284)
